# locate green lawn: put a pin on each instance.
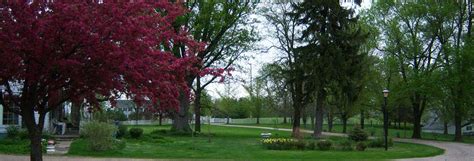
(14, 146)
(378, 131)
(241, 144)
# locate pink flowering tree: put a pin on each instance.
(62, 50)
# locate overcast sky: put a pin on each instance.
(257, 59)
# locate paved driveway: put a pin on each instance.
(453, 151)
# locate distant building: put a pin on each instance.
(435, 125)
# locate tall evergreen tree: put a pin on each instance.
(331, 40)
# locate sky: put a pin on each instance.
(258, 58)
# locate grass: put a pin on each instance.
(378, 131)
(14, 146)
(237, 143)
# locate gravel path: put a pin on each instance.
(453, 151)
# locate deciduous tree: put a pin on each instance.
(66, 50)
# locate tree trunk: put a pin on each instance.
(181, 117)
(362, 119)
(36, 153)
(197, 108)
(330, 120)
(160, 119)
(416, 123)
(312, 121)
(296, 121)
(258, 120)
(34, 131)
(319, 114)
(399, 118)
(76, 113)
(445, 128)
(284, 120)
(457, 122)
(344, 123)
(305, 119)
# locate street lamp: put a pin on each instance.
(2, 88)
(385, 118)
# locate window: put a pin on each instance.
(469, 128)
(9, 118)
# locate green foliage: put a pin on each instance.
(324, 145)
(357, 134)
(379, 142)
(285, 144)
(12, 131)
(23, 134)
(280, 143)
(141, 115)
(345, 145)
(361, 146)
(99, 136)
(122, 131)
(109, 116)
(136, 132)
(311, 145)
(234, 108)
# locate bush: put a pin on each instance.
(361, 146)
(346, 145)
(300, 145)
(379, 142)
(372, 132)
(122, 131)
(23, 134)
(12, 132)
(324, 145)
(99, 135)
(357, 134)
(110, 115)
(282, 144)
(311, 145)
(136, 132)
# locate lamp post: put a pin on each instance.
(385, 118)
(2, 88)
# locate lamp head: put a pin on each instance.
(385, 92)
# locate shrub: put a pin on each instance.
(346, 145)
(311, 145)
(357, 134)
(46, 135)
(23, 134)
(324, 145)
(122, 131)
(379, 142)
(281, 144)
(372, 132)
(12, 132)
(110, 115)
(99, 136)
(300, 145)
(136, 132)
(361, 146)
